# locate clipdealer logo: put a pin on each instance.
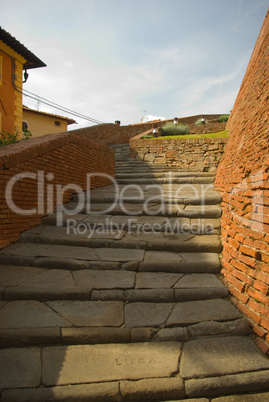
(50, 194)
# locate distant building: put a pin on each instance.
(14, 58)
(40, 123)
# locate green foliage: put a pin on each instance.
(220, 134)
(175, 129)
(199, 122)
(26, 135)
(147, 137)
(224, 118)
(7, 138)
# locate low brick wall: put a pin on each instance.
(207, 128)
(197, 154)
(243, 181)
(50, 162)
(111, 134)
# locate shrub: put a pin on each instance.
(224, 118)
(172, 129)
(7, 138)
(199, 122)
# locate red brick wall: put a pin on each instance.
(67, 157)
(207, 128)
(109, 134)
(243, 180)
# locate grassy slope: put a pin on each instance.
(220, 134)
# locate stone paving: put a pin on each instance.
(101, 309)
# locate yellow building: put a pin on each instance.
(14, 58)
(40, 123)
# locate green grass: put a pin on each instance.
(220, 134)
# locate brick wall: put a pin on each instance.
(243, 180)
(52, 160)
(207, 128)
(199, 154)
(109, 134)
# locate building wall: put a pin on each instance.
(243, 180)
(52, 160)
(41, 124)
(10, 90)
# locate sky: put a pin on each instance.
(123, 59)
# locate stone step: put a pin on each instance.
(144, 166)
(77, 258)
(162, 175)
(137, 371)
(187, 193)
(79, 223)
(186, 198)
(119, 238)
(33, 322)
(174, 180)
(146, 209)
(32, 283)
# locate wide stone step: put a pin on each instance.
(141, 169)
(32, 283)
(133, 208)
(174, 180)
(33, 322)
(175, 200)
(103, 224)
(119, 238)
(165, 193)
(77, 258)
(141, 371)
(121, 166)
(175, 174)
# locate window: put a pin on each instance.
(57, 123)
(25, 126)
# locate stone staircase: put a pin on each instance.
(123, 301)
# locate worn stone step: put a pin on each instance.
(163, 174)
(174, 180)
(80, 222)
(210, 198)
(147, 208)
(125, 167)
(76, 258)
(151, 371)
(187, 194)
(31, 283)
(120, 238)
(32, 322)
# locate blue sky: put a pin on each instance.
(121, 59)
